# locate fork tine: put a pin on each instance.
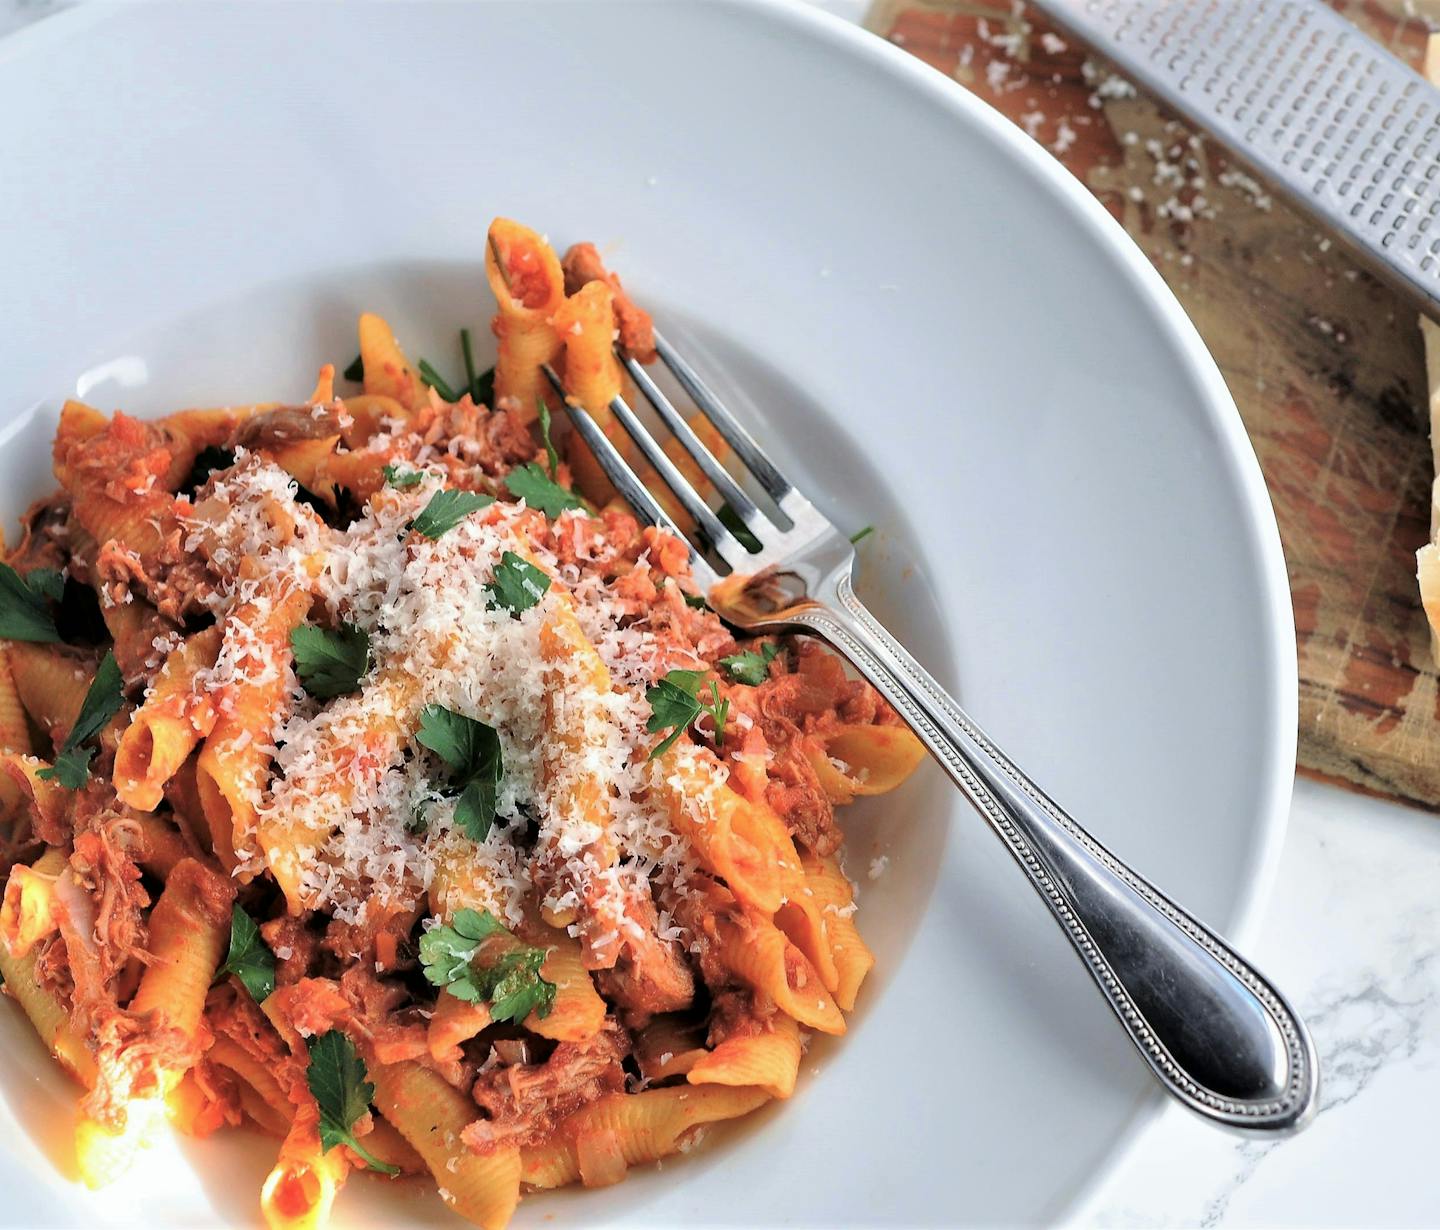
(627, 483)
(616, 468)
(776, 485)
(730, 491)
(709, 524)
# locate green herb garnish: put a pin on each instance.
(751, 668)
(336, 1076)
(518, 584)
(24, 613)
(511, 983)
(436, 381)
(330, 661)
(859, 534)
(471, 751)
(531, 484)
(447, 509)
(403, 479)
(675, 703)
(484, 394)
(730, 519)
(102, 702)
(47, 582)
(543, 412)
(249, 959)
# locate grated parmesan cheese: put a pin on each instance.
(349, 775)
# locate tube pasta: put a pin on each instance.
(598, 1144)
(115, 478)
(269, 1107)
(529, 288)
(878, 758)
(853, 960)
(51, 685)
(46, 801)
(578, 1012)
(768, 1059)
(301, 1187)
(733, 837)
(27, 915)
(430, 1114)
(388, 373)
(758, 953)
(237, 751)
(176, 715)
(189, 931)
(453, 1022)
(48, 1014)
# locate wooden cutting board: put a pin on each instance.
(1324, 362)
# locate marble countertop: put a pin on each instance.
(1353, 934)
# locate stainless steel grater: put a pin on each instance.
(1325, 114)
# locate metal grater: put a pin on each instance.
(1325, 114)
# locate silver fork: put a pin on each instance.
(1216, 1033)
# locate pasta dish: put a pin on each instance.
(375, 780)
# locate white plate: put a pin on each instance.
(938, 330)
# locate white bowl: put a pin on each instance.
(931, 323)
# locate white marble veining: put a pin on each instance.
(1353, 935)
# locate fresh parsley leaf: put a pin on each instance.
(859, 534)
(675, 703)
(484, 394)
(47, 582)
(475, 808)
(730, 519)
(71, 768)
(249, 959)
(330, 662)
(751, 668)
(207, 461)
(463, 743)
(543, 413)
(403, 479)
(515, 988)
(336, 1076)
(436, 381)
(446, 952)
(518, 584)
(102, 702)
(471, 751)
(531, 484)
(24, 616)
(447, 509)
(355, 373)
(509, 981)
(696, 601)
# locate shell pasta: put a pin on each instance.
(374, 781)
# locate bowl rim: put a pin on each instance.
(806, 19)
(1278, 631)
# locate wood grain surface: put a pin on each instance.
(1324, 362)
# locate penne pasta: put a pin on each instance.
(176, 715)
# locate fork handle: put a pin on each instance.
(1215, 1032)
